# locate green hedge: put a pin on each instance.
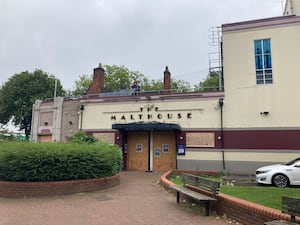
(57, 161)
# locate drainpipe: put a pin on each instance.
(149, 150)
(221, 103)
(81, 108)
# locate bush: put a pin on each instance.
(57, 161)
(81, 138)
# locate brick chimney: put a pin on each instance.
(167, 80)
(97, 85)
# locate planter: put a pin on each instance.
(41, 189)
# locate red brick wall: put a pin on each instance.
(240, 210)
(40, 189)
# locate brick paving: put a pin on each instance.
(138, 200)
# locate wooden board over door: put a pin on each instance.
(164, 150)
(137, 150)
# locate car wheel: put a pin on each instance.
(280, 180)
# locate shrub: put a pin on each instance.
(81, 138)
(57, 161)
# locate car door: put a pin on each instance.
(296, 174)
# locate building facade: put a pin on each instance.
(254, 121)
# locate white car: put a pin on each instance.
(280, 175)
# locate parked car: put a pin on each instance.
(280, 175)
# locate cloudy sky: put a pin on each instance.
(68, 38)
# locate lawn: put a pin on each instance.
(263, 195)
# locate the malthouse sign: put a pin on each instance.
(150, 113)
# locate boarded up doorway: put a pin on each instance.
(151, 150)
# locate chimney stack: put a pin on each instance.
(167, 80)
(97, 85)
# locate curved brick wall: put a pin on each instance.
(243, 211)
(40, 189)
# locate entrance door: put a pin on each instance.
(137, 150)
(151, 150)
(164, 150)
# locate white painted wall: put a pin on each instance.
(194, 113)
(244, 100)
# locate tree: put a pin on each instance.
(176, 85)
(116, 78)
(210, 83)
(120, 77)
(18, 94)
(82, 85)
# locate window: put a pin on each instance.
(263, 61)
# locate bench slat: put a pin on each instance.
(206, 184)
(193, 194)
(201, 183)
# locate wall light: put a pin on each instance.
(264, 113)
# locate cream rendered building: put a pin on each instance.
(261, 78)
(254, 121)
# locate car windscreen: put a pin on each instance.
(292, 162)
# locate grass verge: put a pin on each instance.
(264, 195)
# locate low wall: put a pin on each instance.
(240, 210)
(40, 189)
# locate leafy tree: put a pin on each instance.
(82, 85)
(18, 94)
(116, 78)
(176, 85)
(120, 77)
(210, 83)
(179, 85)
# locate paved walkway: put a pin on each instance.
(139, 200)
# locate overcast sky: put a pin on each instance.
(68, 38)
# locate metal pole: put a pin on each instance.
(221, 103)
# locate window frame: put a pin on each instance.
(263, 61)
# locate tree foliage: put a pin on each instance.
(81, 138)
(81, 85)
(119, 78)
(116, 78)
(156, 85)
(210, 83)
(18, 94)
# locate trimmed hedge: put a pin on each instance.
(57, 161)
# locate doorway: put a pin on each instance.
(151, 150)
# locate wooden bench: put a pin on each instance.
(200, 183)
(290, 205)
